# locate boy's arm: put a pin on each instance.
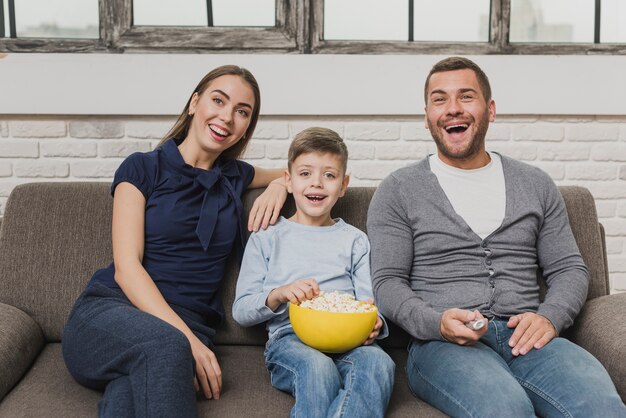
(249, 307)
(362, 279)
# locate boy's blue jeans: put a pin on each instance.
(486, 380)
(143, 364)
(357, 383)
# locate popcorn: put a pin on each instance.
(337, 302)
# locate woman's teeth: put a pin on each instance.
(218, 130)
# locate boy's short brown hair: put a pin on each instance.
(320, 140)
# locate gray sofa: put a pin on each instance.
(55, 235)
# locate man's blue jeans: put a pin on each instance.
(357, 383)
(143, 364)
(486, 380)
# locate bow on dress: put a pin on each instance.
(211, 180)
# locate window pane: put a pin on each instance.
(366, 20)
(56, 19)
(552, 20)
(170, 13)
(244, 12)
(613, 16)
(465, 21)
(6, 20)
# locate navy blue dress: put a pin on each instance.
(193, 220)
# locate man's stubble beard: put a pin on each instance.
(476, 145)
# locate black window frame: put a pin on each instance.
(299, 29)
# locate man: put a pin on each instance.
(457, 239)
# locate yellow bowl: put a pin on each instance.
(331, 332)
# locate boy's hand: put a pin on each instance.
(294, 292)
(377, 327)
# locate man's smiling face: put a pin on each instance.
(458, 116)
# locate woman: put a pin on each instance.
(142, 328)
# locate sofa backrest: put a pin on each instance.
(55, 235)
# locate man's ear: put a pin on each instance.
(344, 185)
(492, 110)
(288, 181)
(425, 118)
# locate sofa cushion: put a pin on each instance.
(49, 390)
(21, 341)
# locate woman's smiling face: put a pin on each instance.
(221, 114)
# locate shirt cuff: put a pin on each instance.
(384, 330)
(431, 330)
(555, 316)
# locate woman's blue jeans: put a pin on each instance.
(486, 380)
(357, 383)
(143, 364)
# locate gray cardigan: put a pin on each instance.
(425, 259)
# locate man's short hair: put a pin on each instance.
(319, 140)
(460, 63)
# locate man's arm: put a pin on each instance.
(391, 238)
(565, 273)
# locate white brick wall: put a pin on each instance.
(586, 151)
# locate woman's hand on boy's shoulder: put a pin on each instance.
(267, 206)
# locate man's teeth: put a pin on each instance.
(460, 127)
(218, 130)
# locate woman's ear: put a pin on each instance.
(193, 103)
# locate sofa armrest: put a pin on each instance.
(600, 328)
(21, 340)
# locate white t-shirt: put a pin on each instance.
(478, 196)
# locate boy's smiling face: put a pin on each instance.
(316, 181)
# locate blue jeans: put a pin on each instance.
(486, 380)
(143, 364)
(357, 383)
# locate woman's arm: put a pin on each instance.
(264, 176)
(128, 246)
(266, 207)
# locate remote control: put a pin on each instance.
(475, 324)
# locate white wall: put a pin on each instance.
(75, 117)
(159, 84)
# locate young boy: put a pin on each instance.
(291, 262)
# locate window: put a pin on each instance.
(204, 13)
(145, 25)
(469, 26)
(315, 26)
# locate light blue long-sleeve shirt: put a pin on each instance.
(336, 256)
